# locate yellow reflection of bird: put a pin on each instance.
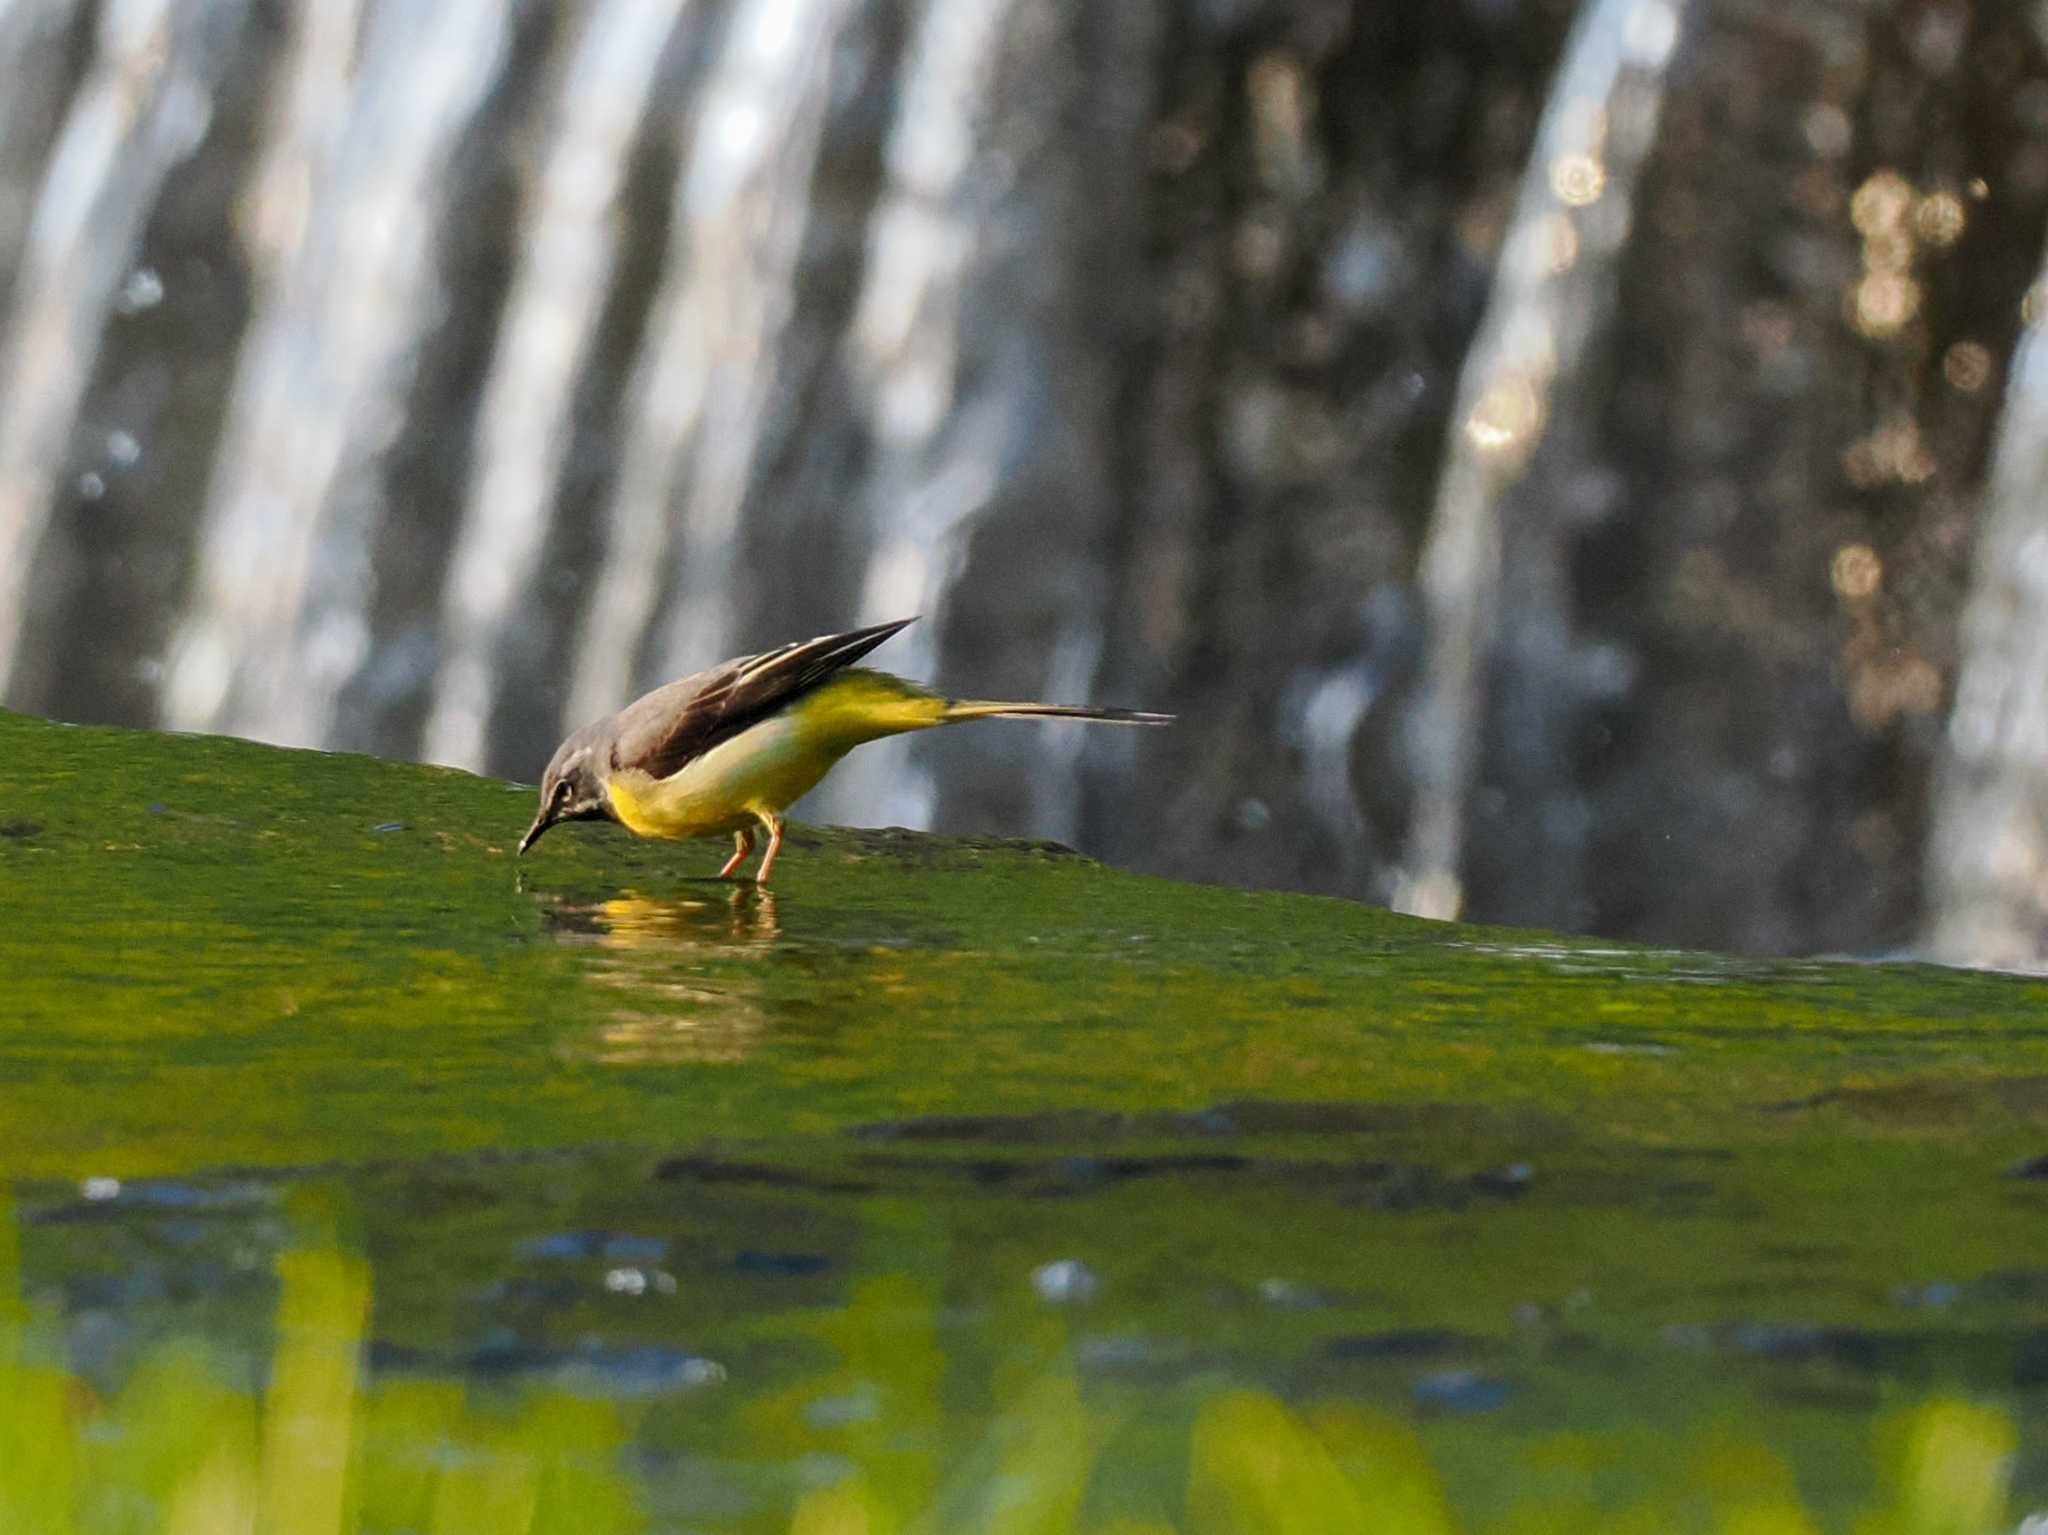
(738, 921)
(660, 960)
(727, 750)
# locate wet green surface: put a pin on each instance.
(795, 1179)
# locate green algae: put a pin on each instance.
(1563, 1202)
(214, 947)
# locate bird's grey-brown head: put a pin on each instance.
(571, 789)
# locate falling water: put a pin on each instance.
(34, 35)
(143, 107)
(1552, 298)
(662, 602)
(758, 150)
(1987, 857)
(904, 356)
(278, 620)
(571, 247)
(1003, 506)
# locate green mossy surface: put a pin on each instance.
(1295, 1143)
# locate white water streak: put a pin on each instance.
(707, 362)
(1553, 292)
(1987, 855)
(143, 108)
(279, 618)
(767, 140)
(33, 34)
(572, 216)
(904, 356)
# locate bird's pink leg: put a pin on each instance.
(742, 844)
(774, 825)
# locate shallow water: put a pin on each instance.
(945, 1171)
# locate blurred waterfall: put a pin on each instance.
(1987, 852)
(663, 600)
(1517, 473)
(33, 45)
(1016, 233)
(903, 348)
(573, 227)
(144, 105)
(278, 620)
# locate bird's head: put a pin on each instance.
(570, 790)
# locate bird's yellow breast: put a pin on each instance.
(765, 768)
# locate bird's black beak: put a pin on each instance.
(540, 824)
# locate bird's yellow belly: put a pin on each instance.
(757, 773)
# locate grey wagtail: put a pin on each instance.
(729, 749)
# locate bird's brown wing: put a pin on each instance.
(672, 725)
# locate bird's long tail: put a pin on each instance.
(985, 708)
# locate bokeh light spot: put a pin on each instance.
(1507, 415)
(1578, 179)
(1940, 218)
(1966, 366)
(1856, 572)
(1881, 203)
(1883, 302)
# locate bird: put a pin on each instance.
(728, 749)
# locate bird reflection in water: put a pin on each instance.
(669, 960)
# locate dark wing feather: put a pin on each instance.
(675, 724)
